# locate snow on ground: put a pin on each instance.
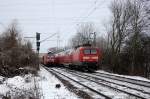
(41, 86)
(16, 87)
(102, 89)
(48, 87)
(24, 86)
(132, 77)
(124, 86)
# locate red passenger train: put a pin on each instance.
(48, 59)
(85, 58)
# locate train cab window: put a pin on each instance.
(90, 51)
(93, 51)
(50, 53)
(87, 51)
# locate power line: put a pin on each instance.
(40, 4)
(93, 9)
(39, 18)
(84, 13)
(48, 37)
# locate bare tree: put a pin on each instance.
(14, 54)
(147, 31)
(135, 45)
(83, 35)
(146, 8)
(127, 36)
(118, 29)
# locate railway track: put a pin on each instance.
(124, 79)
(124, 82)
(141, 88)
(97, 81)
(103, 96)
(122, 88)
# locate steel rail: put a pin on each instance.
(114, 82)
(125, 79)
(93, 90)
(108, 86)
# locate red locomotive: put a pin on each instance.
(48, 59)
(85, 58)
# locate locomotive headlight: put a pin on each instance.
(95, 57)
(86, 57)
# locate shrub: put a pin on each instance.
(16, 54)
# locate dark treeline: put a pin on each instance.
(128, 43)
(16, 56)
(126, 48)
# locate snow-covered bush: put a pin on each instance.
(16, 54)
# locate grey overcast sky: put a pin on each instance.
(53, 16)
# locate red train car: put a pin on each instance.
(48, 59)
(85, 58)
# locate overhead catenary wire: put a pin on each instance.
(76, 19)
(94, 9)
(53, 12)
(44, 20)
(86, 11)
(41, 4)
(48, 37)
(89, 12)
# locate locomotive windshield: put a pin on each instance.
(50, 53)
(90, 51)
(87, 51)
(93, 51)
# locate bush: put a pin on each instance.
(16, 54)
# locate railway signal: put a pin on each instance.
(37, 36)
(38, 41)
(38, 49)
(38, 45)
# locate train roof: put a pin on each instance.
(87, 47)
